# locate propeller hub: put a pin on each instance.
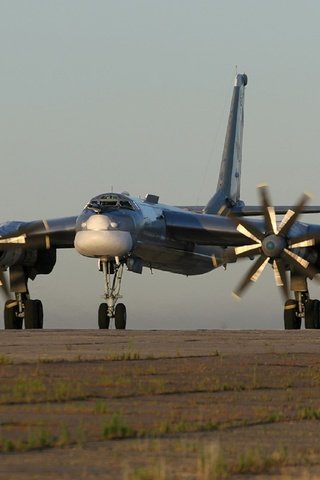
(273, 245)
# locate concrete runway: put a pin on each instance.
(32, 345)
(183, 398)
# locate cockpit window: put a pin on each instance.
(110, 200)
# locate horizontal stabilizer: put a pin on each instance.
(251, 211)
(254, 210)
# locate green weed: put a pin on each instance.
(64, 437)
(116, 427)
(212, 464)
(156, 472)
(101, 406)
(35, 440)
(120, 356)
(274, 417)
(309, 413)
(254, 461)
(5, 360)
(81, 436)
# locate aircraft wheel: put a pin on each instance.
(103, 318)
(120, 316)
(11, 321)
(33, 314)
(291, 321)
(312, 314)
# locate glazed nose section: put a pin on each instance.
(98, 222)
(100, 238)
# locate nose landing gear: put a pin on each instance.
(112, 272)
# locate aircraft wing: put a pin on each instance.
(203, 229)
(38, 234)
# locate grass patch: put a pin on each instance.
(167, 427)
(101, 406)
(40, 439)
(5, 360)
(156, 472)
(254, 461)
(309, 413)
(117, 428)
(275, 417)
(120, 356)
(28, 389)
(212, 464)
(35, 440)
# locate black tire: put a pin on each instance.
(120, 317)
(103, 318)
(11, 321)
(312, 314)
(33, 314)
(291, 321)
(317, 314)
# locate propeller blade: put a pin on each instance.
(291, 215)
(252, 275)
(268, 210)
(254, 249)
(300, 264)
(308, 240)
(299, 260)
(247, 229)
(303, 243)
(281, 276)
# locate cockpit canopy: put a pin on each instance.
(107, 201)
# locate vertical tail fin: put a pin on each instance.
(228, 189)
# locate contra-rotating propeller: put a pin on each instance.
(274, 245)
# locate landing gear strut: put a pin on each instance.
(301, 307)
(112, 272)
(22, 308)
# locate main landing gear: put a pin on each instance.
(301, 307)
(112, 272)
(23, 309)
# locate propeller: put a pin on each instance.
(274, 246)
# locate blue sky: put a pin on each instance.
(135, 95)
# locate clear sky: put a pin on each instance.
(134, 95)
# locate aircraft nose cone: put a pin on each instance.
(99, 222)
(101, 240)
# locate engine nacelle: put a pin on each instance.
(18, 256)
(33, 261)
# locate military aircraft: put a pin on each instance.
(124, 232)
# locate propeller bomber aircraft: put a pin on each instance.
(122, 231)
